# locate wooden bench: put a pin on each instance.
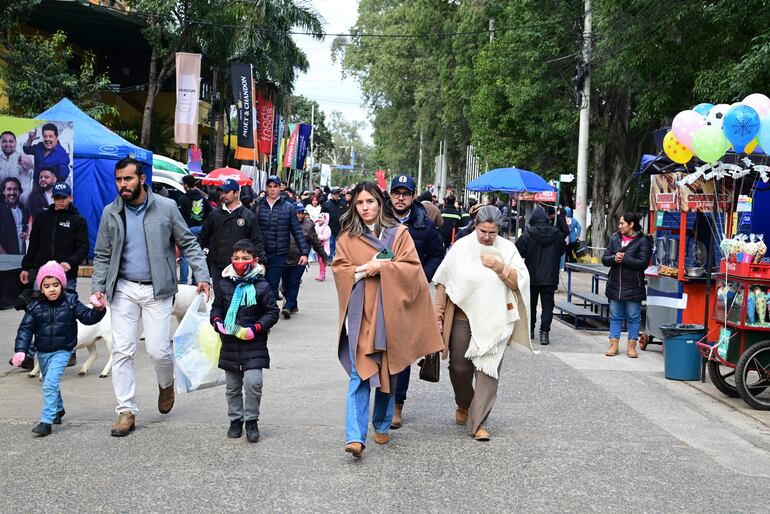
(577, 313)
(595, 299)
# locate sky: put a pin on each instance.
(323, 81)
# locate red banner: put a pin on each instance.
(265, 115)
(291, 147)
(381, 179)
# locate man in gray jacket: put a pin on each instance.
(135, 270)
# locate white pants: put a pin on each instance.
(131, 304)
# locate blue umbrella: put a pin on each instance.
(509, 180)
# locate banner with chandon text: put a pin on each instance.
(188, 79)
(243, 92)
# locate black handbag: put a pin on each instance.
(430, 367)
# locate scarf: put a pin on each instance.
(244, 294)
(485, 299)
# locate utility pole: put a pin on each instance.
(584, 73)
(312, 134)
(419, 168)
(444, 168)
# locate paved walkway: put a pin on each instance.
(573, 431)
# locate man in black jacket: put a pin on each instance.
(336, 207)
(194, 208)
(541, 246)
(59, 234)
(454, 219)
(227, 225)
(430, 249)
(278, 220)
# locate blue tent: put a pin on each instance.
(96, 150)
(509, 180)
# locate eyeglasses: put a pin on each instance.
(403, 194)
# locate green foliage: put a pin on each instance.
(38, 73)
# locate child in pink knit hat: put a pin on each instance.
(51, 319)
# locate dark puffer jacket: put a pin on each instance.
(335, 208)
(541, 246)
(237, 354)
(626, 279)
(54, 324)
(308, 228)
(427, 240)
(58, 236)
(278, 224)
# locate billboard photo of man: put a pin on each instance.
(48, 152)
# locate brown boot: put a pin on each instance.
(166, 398)
(482, 434)
(356, 449)
(613, 351)
(381, 438)
(631, 349)
(396, 423)
(461, 415)
(124, 425)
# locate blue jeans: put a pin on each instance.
(275, 266)
(52, 366)
(628, 311)
(292, 279)
(357, 414)
(402, 384)
(332, 247)
(184, 268)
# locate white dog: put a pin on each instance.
(88, 336)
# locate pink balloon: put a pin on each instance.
(758, 102)
(684, 126)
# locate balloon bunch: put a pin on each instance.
(708, 131)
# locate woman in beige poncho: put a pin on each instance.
(482, 304)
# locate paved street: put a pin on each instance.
(573, 431)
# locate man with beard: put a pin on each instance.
(13, 218)
(49, 154)
(42, 196)
(336, 207)
(12, 162)
(134, 269)
(59, 234)
(430, 249)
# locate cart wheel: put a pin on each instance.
(644, 340)
(752, 375)
(723, 378)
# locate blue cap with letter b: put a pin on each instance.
(403, 181)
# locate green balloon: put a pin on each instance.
(709, 143)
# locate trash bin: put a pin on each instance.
(681, 359)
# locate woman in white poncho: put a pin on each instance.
(482, 304)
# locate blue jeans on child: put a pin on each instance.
(184, 268)
(52, 366)
(357, 415)
(628, 311)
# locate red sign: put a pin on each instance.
(265, 115)
(291, 147)
(381, 179)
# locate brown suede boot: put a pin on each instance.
(631, 349)
(461, 415)
(356, 449)
(613, 351)
(381, 438)
(166, 398)
(396, 423)
(124, 424)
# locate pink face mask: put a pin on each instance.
(243, 267)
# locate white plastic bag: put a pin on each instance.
(196, 351)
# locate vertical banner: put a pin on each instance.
(188, 79)
(381, 179)
(194, 159)
(277, 141)
(303, 142)
(243, 92)
(291, 146)
(265, 115)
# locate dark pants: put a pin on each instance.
(402, 384)
(216, 273)
(546, 297)
(292, 279)
(276, 264)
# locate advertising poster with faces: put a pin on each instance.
(34, 156)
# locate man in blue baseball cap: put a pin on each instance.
(430, 248)
(292, 274)
(225, 226)
(278, 221)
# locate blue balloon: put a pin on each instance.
(703, 109)
(740, 125)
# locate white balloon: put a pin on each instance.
(717, 114)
